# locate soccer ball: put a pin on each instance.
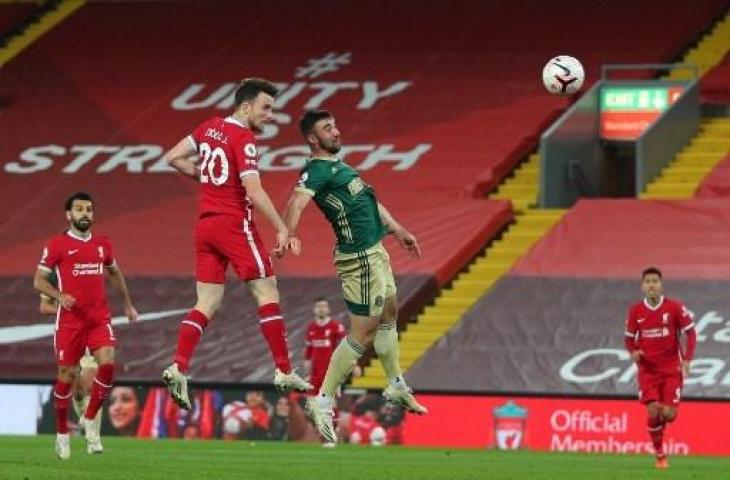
(236, 417)
(563, 75)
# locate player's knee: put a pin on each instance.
(104, 355)
(669, 413)
(208, 308)
(653, 409)
(390, 312)
(264, 290)
(364, 337)
(67, 374)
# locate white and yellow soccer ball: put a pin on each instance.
(563, 75)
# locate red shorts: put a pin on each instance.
(71, 342)
(224, 239)
(665, 388)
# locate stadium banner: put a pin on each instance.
(564, 425)
(563, 336)
(232, 414)
(459, 421)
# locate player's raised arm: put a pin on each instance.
(183, 157)
(262, 202)
(406, 239)
(117, 279)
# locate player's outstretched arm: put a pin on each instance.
(298, 201)
(262, 202)
(42, 283)
(184, 158)
(117, 278)
(406, 239)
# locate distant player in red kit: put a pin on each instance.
(323, 335)
(653, 330)
(79, 261)
(221, 154)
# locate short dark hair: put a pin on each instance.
(651, 271)
(309, 118)
(77, 196)
(250, 88)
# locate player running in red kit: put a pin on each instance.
(222, 155)
(83, 319)
(653, 330)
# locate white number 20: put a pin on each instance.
(207, 168)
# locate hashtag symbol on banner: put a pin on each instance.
(329, 63)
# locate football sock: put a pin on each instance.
(191, 329)
(346, 353)
(656, 432)
(386, 346)
(100, 389)
(274, 331)
(62, 397)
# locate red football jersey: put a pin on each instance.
(656, 331)
(79, 266)
(321, 341)
(228, 152)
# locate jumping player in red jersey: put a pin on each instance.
(653, 330)
(323, 335)
(222, 154)
(83, 319)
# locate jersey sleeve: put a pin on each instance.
(685, 318)
(308, 344)
(195, 136)
(630, 330)
(247, 153)
(108, 253)
(50, 257)
(313, 179)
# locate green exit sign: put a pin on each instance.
(626, 112)
(634, 98)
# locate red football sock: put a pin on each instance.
(272, 326)
(62, 400)
(100, 389)
(656, 432)
(191, 329)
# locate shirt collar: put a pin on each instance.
(80, 239)
(234, 121)
(659, 304)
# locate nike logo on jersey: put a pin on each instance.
(639, 320)
(23, 333)
(71, 252)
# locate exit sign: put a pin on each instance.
(627, 111)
